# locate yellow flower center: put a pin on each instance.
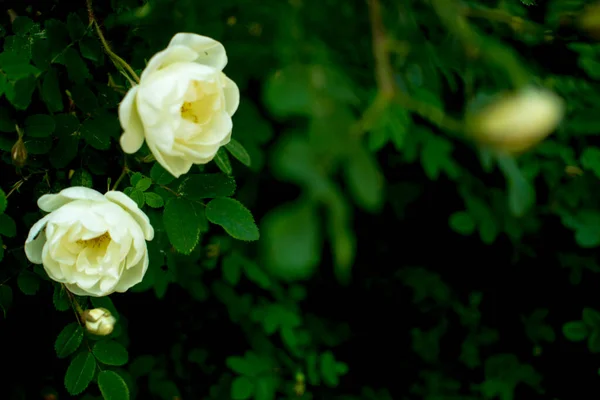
(200, 102)
(97, 242)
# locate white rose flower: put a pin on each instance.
(183, 104)
(517, 121)
(95, 244)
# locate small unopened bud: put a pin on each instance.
(19, 153)
(515, 122)
(99, 321)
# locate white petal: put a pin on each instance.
(209, 51)
(232, 95)
(133, 129)
(131, 207)
(133, 275)
(176, 165)
(35, 241)
(171, 55)
(51, 202)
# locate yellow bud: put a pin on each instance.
(515, 122)
(19, 153)
(99, 321)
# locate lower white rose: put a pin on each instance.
(95, 244)
(183, 104)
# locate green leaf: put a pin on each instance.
(38, 146)
(242, 388)
(365, 180)
(80, 373)
(7, 124)
(241, 365)
(60, 298)
(594, 341)
(222, 161)
(75, 26)
(232, 270)
(28, 282)
(90, 48)
(329, 369)
(19, 93)
(138, 197)
(95, 133)
(233, 217)
(51, 93)
(591, 317)
(81, 177)
(462, 222)
(181, 220)
(110, 352)
(6, 297)
(143, 184)
(64, 152)
(135, 178)
(3, 201)
(16, 66)
(76, 68)
(203, 186)
(84, 98)
(39, 125)
(238, 151)
(575, 331)
(153, 200)
(8, 227)
(292, 240)
(160, 176)
(112, 386)
(68, 340)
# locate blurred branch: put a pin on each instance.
(388, 90)
(449, 13)
(517, 24)
(118, 61)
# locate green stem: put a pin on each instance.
(121, 177)
(118, 61)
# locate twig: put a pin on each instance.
(383, 68)
(118, 61)
(122, 176)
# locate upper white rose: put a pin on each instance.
(95, 244)
(517, 121)
(183, 104)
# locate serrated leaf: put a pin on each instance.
(28, 282)
(77, 70)
(233, 217)
(239, 152)
(153, 200)
(95, 133)
(110, 352)
(112, 386)
(68, 340)
(90, 48)
(81, 177)
(75, 26)
(203, 186)
(8, 227)
(38, 146)
(143, 184)
(138, 197)
(242, 388)
(222, 161)
(51, 93)
(84, 98)
(160, 176)
(181, 219)
(60, 298)
(64, 152)
(16, 66)
(80, 373)
(39, 125)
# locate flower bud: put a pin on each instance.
(517, 121)
(19, 153)
(99, 321)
